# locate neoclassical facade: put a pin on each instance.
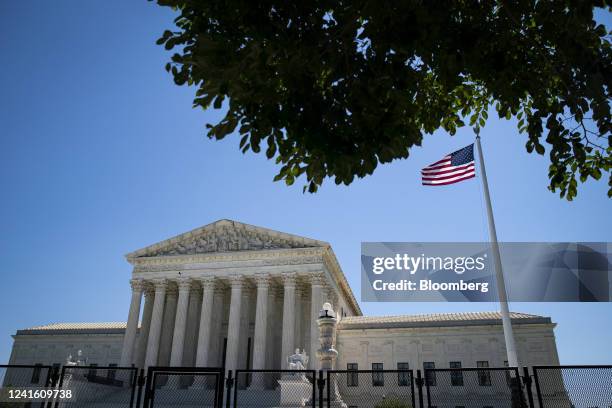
(239, 296)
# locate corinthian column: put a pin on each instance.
(288, 318)
(180, 322)
(156, 322)
(316, 289)
(204, 333)
(143, 337)
(132, 323)
(233, 326)
(261, 326)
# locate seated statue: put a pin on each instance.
(298, 361)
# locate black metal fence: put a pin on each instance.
(482, 387)
(114, 386)
(183, 387)
(573, 386)
(368, 388)
(274, 388)
(474, 387)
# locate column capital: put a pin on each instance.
(137, 285)
(262, 280)
(289, 279)
(184, 284)
(317, 279)
(236, 281)
(207, 282)
(159, 283)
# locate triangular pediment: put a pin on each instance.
(225, 236)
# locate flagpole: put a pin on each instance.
(501, 285)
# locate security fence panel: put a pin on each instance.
(89, 386)
(474, 388)
(184, 387)
(370, 389)
(573, 386)
(17, 379)
(274, 388)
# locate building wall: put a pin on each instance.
(100, 349)
(469, 344)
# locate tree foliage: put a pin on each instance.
(333, 88)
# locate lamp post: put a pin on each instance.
(327, 354)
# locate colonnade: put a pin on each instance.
(183, 319)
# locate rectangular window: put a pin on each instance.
(430, 376)
(36, 374)
(403, 377)
(484, 376)
(456, 375)
(352, 379)
(378, 377)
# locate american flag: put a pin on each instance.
(453, 168)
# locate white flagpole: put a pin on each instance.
(501, 285)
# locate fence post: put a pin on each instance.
(321, 387)
(419, 383)
(538, 391)
(229, 383)
(140, 382)
(527, 382)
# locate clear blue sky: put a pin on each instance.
(101, 154)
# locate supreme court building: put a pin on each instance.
(244, 297)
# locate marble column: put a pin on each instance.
(233, 327)
(193, 323)
(261, 328)
(288, 339)
(316, 302)
(165, 345)
(143, 337)
(156, 322)
(204, 333)
(180, 322)
(299, 319)
(129, 339)
(216, 335)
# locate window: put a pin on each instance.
(36, 374)
(456, 376)
(430, 376)
(378, 377)
(352, 379)
(403, 378)
(484, 376)
(110, 374)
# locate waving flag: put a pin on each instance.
(453, 168)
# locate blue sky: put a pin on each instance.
(101, 154)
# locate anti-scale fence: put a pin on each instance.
(481, 387)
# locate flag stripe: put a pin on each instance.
(439, 166)
(445, 159)
(449, 176)
(443, 183)
(449, 169)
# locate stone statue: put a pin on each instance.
(298, 361)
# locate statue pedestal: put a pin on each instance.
(295, 391)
